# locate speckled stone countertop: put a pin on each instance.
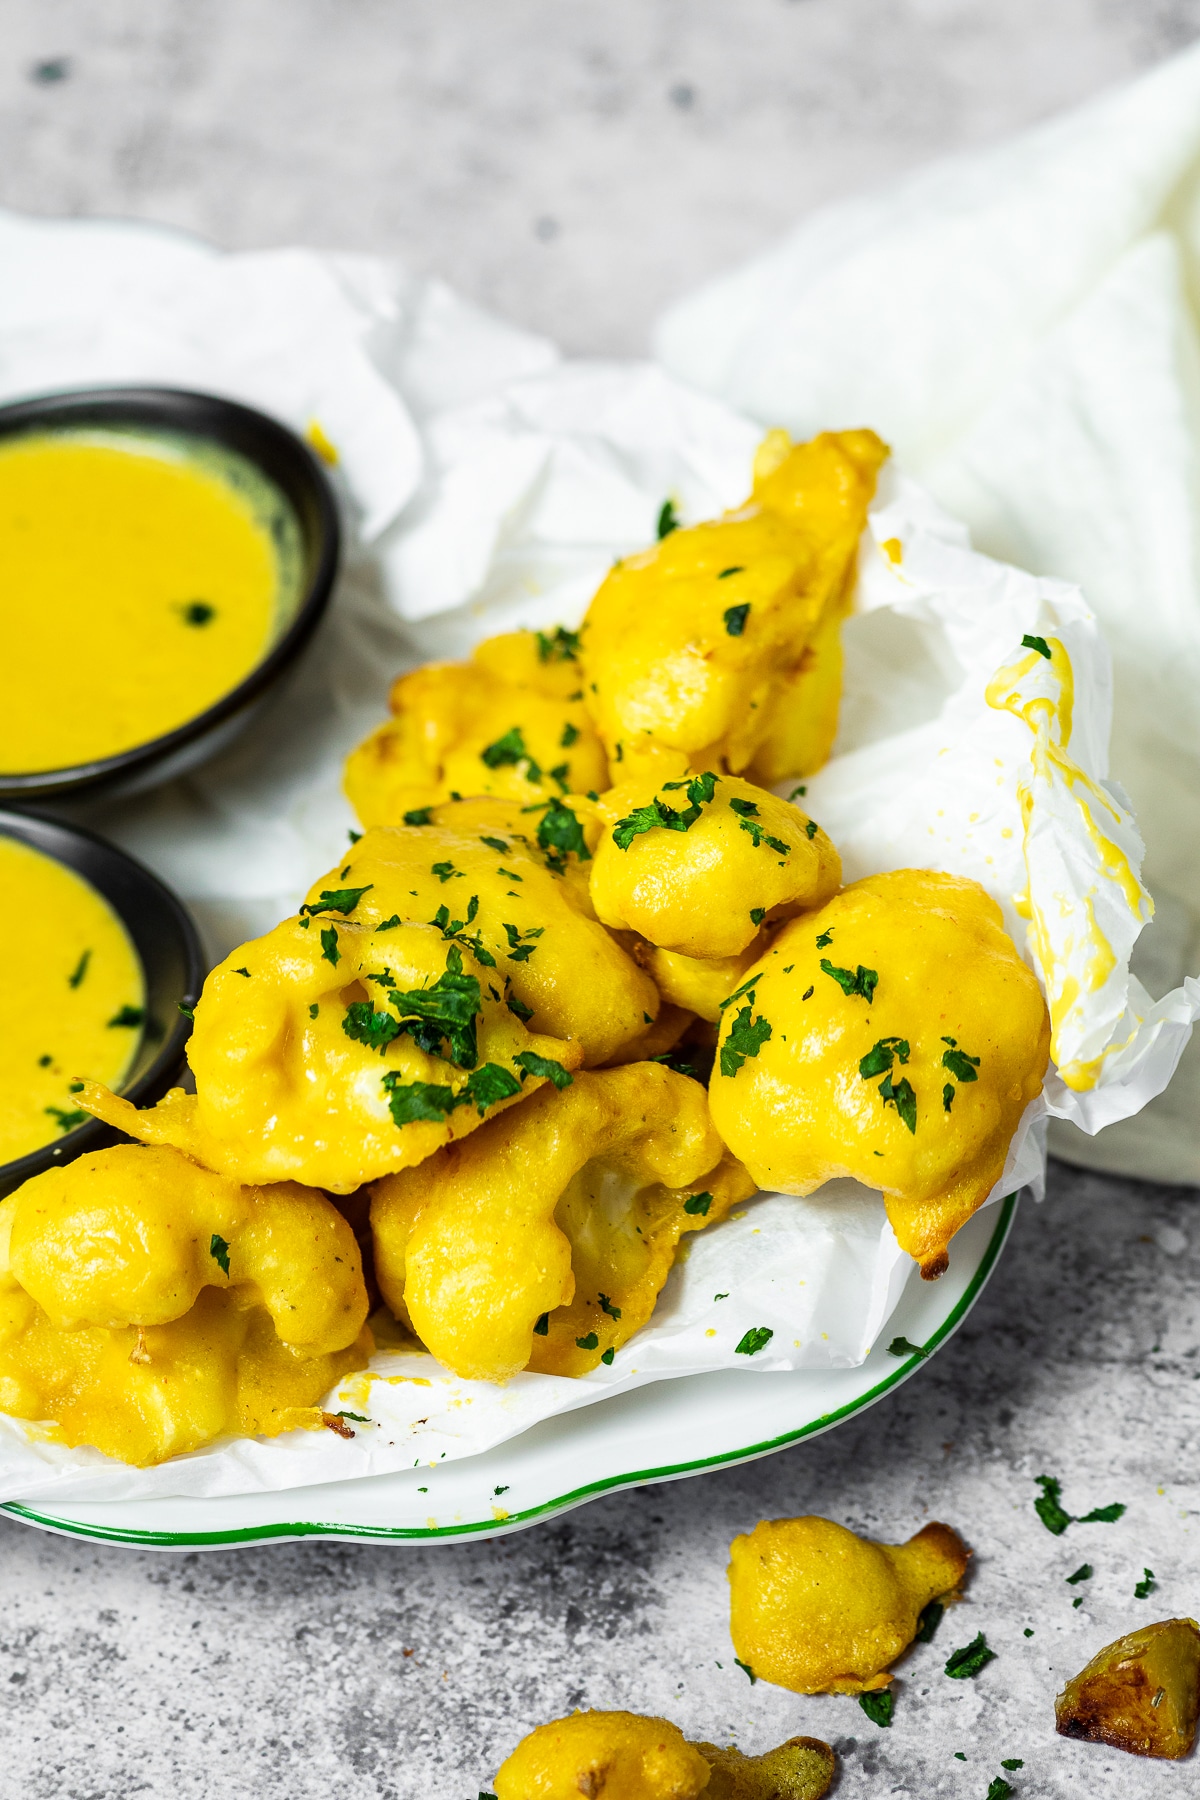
(575, 164)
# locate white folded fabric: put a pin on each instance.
(1020, 323)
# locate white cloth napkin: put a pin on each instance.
(1020, 323)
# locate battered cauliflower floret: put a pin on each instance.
(698, 865)
(895, 1036)
(148, 1306)
(698, 984)
(510, 722)
(818, 1610)
(341, 1046)
(544, 1241)
(697, 645)
(626, 1756)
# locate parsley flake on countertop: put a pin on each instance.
(329, 946)
(754, 1340)
(878, 1704)
(999, 1789)
(1145, 1586)
(668, 519)
(340, 900)
(1083, 1573)
(129, 1017)
(900, 1346)
(1055, 1518)
(218, 1249)
(746, 1038)
(1012, 1762)
(862, 982)
(927, 1624)
(735, 618)
(746, 1670)
(80, 970)
(1030, 642)
(559, 645)
(965, 1664)
(533, 1064)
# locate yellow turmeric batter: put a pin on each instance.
(140, 580)
(71, 997)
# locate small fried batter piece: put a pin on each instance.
(627, 1756)
(698, 865)
(148, 1306)
(1141, 1694)
(333, 1053)
(544, 1240)
(510, 722)
(816, 1609)
(697, 644)
(895, 1036)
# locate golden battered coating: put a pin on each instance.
(698, 865)
(816, 1609)
(626, 1756)
(339, 1047)
(510, 722)
(544, 1241)
(697, 644)
(895, 1036)
(698, 984)
(1141, 1694)
(148, 1306)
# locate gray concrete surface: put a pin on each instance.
(576, 164)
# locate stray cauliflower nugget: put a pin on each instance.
(511, 722)
(697, 644)
(698, 865)
(545, 1240)
(335, 1049)
(626, 1756)
(1141, 1694)
(148, 1306)
(818, 1610)
(895, 1036)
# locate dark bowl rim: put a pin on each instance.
(174, 406)
(169, 1059)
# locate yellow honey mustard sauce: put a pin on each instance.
(72, 997)
(142, 577)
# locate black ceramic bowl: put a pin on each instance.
(289, 466)
(173, 967)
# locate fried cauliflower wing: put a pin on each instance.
(627, 1756)
(700, 644)
(816, 1609)
(544, 1240)
(1141, 1694)
(698, 865)
(510, 722)
(895, 1036)
(148, 1306)
(341, 1046)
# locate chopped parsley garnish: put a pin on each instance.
(862, 982)
(756, 1339)
(999, 1789)
(965, 1664)
(520, 943)
(811, 829)
(198, 612)
(66, 1121)
(329, 946)
(760, 837)
(746, 1038)
(80, 970)
(523, 1012)
(757, 914)
(900, 1095)
(562, 774)
(244, 972)
(735, 618)
(1030, 642)
(1012, 1762)
(358, 1418)
(560, 835)
(606, 1306)
(45, 1061)
(746, 1670)
(510, 749)
(443, 871)
(878, 1059)
(129, 1018)
(495, 844)
(218, 1249)
(746, 808)
(509, 875)
(390, 924)
(901, 1346)
(606, 1356)
(1083, 1573)
(1054, 1516)
(960, 1065)
(313, 1010)
(533, 1064)
(570, 734)
(825, 939)
(1145, 1586)
(668, 519)
(808, 993)
(410, 1103)
(928, 1622)
(488, 1086)
(559, 645)
(366, 1026)
(700, 790)
(339, 900)
(802, 789)
(590, 1342)
(878, 1704)
(187, 1011)
(447, 1009)
(542, 1328)
(698, 1205)
(418, 815)
(737, 993)
(737, 569)
(948, 1093)
(355, 837)
(677, 1060)
(1102, 1515)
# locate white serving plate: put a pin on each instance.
(656, 1433)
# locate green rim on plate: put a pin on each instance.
(302, 1528)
